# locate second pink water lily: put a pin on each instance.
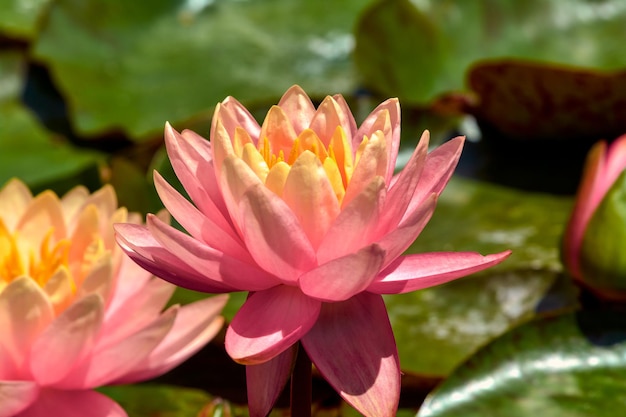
(305, 213)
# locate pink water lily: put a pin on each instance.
(594, 238)
(76, 313)
(305, 213)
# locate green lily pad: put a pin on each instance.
(20, 19)
(132, 65)
(399, 54)
(569, 366)
(151, 400)
(438, 328)
(27, 150)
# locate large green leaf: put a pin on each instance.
(133, 65)
(27, 150)
(438, 328)
(569, 366)
(420, 49)
(20, 18)
(151, 400)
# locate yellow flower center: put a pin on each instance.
(18, 257)
(271, 162)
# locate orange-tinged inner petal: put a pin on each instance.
(44, 258)
(272, 163)
(49, 260)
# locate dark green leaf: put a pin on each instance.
(28, 151)
(569, 366)
(151, 400)
(440, 39)
(134, 65)
(392, 38)
(20, 19)
(438, 328)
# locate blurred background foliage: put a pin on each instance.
(87, 85)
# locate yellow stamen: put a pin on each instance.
(43, 262)
(49, 260)
(336, 158)
(11, 265)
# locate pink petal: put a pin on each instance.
(25, 311)
(268, 323)
(74, 200)
(273, 235)
(343, 277)
(311, 197)
(298, 107)
(15, 396)
(232, 115)
(347, 121)
(130, 280)
(137, 312)
(43, 213)
(205, 260)
(418, 271)
(99, 279)
(393, 143)
(595, 165)
(190, 158)
(53, 402)
(354, 226)
(195, 325)
(86, 225)
(267, 380)
(278, 130)
(109, 363)
(439, 167)
(105, 202)
(403, 188)
(14, 198)
(353, 347)
(147, 252)
(373, 162)
(67, 339)
(399, 239)
(328, 116)
(236, 177)
(197, 224)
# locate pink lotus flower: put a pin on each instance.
(76, 313)
(305, 213)
(594, 239)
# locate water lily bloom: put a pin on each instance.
(593, 244)
(76, 313)
(305, 213)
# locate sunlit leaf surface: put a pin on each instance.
(570, 366)
(133, 65)
(438, 328)
(20, 18)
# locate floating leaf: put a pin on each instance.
(458, 33)
(20, 19)
(438, 328)
(27, 150)
(389, 32)
(132, 65)
(152, 400)
(569, 366)
(528, 100)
